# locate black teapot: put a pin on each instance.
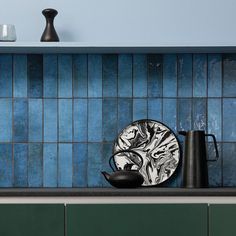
(124, 178)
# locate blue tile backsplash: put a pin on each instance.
(59, 114)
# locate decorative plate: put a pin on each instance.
(156, 143)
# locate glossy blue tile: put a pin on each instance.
(50, 120)
(35, 165)
(80, 161)
(110, 67)
(94, 120)
(80, 75)
(229, 174)
(214, 118)
(5, 120)
(185, 79)
(155, 83)
(169, 75)
(5, 75)
(155, 109)
(214, 75)
(6, 176)
(94, 164)
(49, 165)
(139, 75)
(35, 120)
(229, 75)
(229, 119)
(20, 125)
(80, 117)
(140, 109)
(170, 113)
(35, 75)
(125, 75)
(50, 76)
(199, 114)
(107, 152)
(109, 119)
(125, 112)
(65, 76)
(199, 75)
(20, 165)
(65, 169)
(65, 120)
(20, 75)
(95, 75)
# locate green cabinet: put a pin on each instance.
(136, 219)
(222, 220)
(31, 220)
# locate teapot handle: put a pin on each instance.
(122, 151)
(215, 145)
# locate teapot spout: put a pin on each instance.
(106, 175)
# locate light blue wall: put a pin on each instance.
(185, 22)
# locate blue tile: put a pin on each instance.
(170, 113)
(139, 109)
(35, 165)
(107, 152)
(80, 75)
(65, 168)
(199, 114)
(20, 125)
(35, 75)
(229, 173)
(229, 119)
(50, 120)
(125, 112)
(214, 75)
(184, 116)
(155, 109)
(20, 75)
(20, 165)
(214, 117)
(125, 75)
(5, 75)
(94, 75)
(65, 120)
(229, 75)
(6, 120)
(50, 165)
(109, 119)
(169, 75)
(199, 75)
(35, 120)
(95, 120)
(6, 176)
(80, 160)
(80, 117)
(185, 75)
(65, 76)
(139, 75)
(155, 75)
(50, 76)
(109, 75)
(94, 164)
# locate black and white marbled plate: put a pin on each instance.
(156, 143)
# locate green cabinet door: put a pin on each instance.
(31, 220)
(222, 220)
(136, 219)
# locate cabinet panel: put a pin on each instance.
(136, 219)
(31, 220)
(222, 220)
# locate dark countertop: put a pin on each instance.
(109, 192)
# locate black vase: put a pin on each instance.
(49, 34)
